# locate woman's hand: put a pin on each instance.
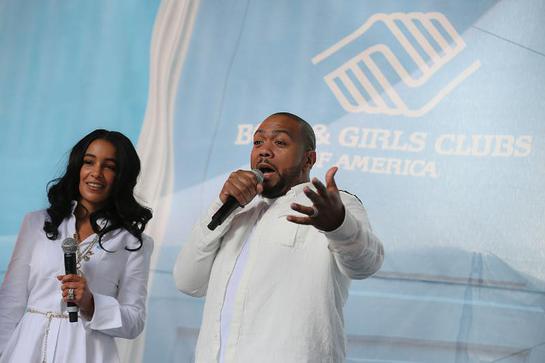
(83, 297)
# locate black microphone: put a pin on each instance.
(230, 205)
(70, 247)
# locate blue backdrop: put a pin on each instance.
(431, 109)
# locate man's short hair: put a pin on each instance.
(309, 138)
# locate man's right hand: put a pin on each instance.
(242, 185)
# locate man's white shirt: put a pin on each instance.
(288, 305)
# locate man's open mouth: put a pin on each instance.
(267, 170)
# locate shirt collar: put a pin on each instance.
(293, 192)
(101, 221)
(73, 205)
(298, 189)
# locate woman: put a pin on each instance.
(92, 202)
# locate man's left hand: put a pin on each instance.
(327, 210)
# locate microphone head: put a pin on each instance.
(259, 175)
(69, 245)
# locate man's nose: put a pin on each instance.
(265, 151)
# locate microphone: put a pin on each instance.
(70, 247)
(230, 205)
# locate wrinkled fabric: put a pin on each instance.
(118, 281)
(289, 301)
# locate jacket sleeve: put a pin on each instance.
(14, 290)
(124, 316)
(358, 252)
(194, 262)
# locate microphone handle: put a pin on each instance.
(230, 205)
(221, 215)
(71, 269)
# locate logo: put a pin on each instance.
(373, 81)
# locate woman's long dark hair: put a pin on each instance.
(121, 210)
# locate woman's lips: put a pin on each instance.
(95, 187)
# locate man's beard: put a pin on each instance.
(286, 180)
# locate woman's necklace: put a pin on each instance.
(87, 252)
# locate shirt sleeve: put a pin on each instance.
(14, 290)
(357, 250)
(124, 316)
(194, 262)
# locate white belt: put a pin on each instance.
(49, 315)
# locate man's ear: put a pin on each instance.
(310, 159)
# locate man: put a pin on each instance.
(276, 273)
